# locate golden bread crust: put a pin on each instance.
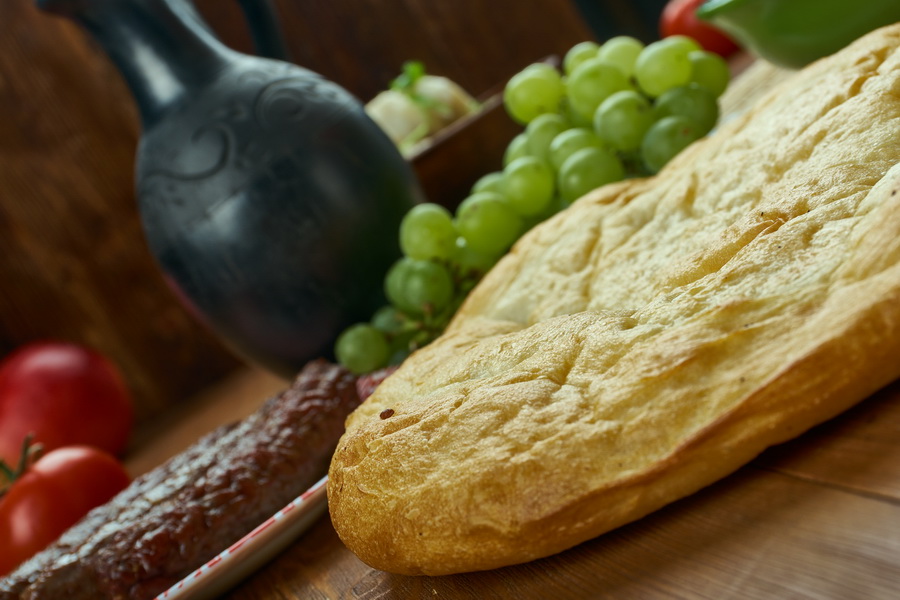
(649, 340)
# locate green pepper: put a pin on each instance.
(793, 33)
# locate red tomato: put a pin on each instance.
(64, 394)
(678, 18)
(52, 495)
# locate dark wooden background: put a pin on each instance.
(73, 263)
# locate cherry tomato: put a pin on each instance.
(63, 394)
(678, 18)
(52, 495)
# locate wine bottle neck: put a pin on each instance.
(161, 48)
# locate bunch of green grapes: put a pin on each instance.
(444, 256)
(616, 110)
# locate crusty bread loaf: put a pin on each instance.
(649, 340)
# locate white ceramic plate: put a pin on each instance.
(253, 550)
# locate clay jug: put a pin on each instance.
(262, 22)
(268, 197)
(264, 29)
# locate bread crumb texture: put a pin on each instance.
(649, 340)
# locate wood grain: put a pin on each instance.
(73, 261)
(362, 44)
(459, 155)
(759, 534)
(818, 517)
(235, 397)
(858, 452)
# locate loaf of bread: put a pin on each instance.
(649, 340)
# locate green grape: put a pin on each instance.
(663, 65)
(477, 197)
(534, 91)
(709, 70)
(418, 286)
(691, 101)
(488, 223)
(529, 185)
(362, 349)
(470, 264)
(621, 52)
(571, 116)
(492, 182)
(391, 321)
(588, 169)
(570, 141)
(401, 348)
(622, 120)
(554, 206)
(592, 83)
(666, 138)
(541, 131)
(517, 148)
(427, 232)
(683, 43)
(542, 69)
(399, 329)
(579, 53)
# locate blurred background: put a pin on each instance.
(73, 262)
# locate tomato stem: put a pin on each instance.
(8, 475)
(28, 456)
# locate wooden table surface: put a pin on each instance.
(818, 517)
